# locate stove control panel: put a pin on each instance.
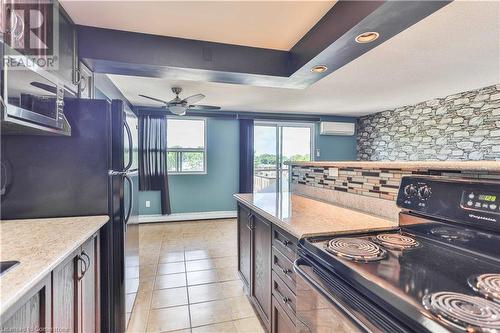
(481, 201)
(466, 201)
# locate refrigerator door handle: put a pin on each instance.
(130, 146)
(130, 199)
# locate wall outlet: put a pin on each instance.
(318, 153)
(148, 203)
(333, 172)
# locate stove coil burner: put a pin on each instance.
(464, 312)
(396, 241)
(451, 234)
(356, 249)
(487, 285)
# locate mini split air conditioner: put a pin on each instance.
(335, 128)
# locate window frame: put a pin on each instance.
(179, 151)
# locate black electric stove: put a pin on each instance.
(439, 272)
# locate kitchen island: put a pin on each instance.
(58, 258)
(269, 227)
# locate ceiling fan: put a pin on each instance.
(179, 106)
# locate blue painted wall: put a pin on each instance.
(213, 191)
(335, 147)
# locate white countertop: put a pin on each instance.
(304, 217)
(39, 245)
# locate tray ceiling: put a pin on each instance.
(452, 50)
(266, 24)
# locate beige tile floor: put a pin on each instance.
(189, 281)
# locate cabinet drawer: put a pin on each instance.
(281, 322)
(284, 296)
(283, 267)
(286, 243)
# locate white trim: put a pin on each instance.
(188, 216)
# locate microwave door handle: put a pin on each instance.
(130, 200)
(130, 145)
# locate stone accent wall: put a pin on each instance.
(463, 126)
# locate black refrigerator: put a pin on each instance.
(92, 172)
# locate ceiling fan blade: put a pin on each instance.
(44, 86)
(193, 99)
(154, 99)
(204, 107)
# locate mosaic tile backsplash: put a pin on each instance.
(378, 183)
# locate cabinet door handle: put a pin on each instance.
(285, 300)
(285, 242)
(285, 271)
(88, 258)
(83, 268)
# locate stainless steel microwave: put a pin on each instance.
(33, 103)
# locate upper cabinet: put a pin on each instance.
(38, 74)
(68, 53)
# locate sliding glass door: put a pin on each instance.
(276, 143)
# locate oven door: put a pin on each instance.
(327, 304)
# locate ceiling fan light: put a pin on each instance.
(177, 109)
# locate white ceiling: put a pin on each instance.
(455, 49)
(267, 24)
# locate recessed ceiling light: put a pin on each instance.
(367, 37)
(319, 69)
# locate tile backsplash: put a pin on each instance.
(378, 183)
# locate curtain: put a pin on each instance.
(246, 156)
(153, 157)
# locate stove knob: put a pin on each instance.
(424, 192)
(410, 190)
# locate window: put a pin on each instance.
(186, 146)
(274, 144)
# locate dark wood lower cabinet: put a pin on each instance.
(89, 288)
(64, 295)
(67, 300)
(261, 268)
(281, 323)
(258, 258)
(32, 313)
(244, 244)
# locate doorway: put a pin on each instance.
(274, 144)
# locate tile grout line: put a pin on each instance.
(154, 283)
(187, 290)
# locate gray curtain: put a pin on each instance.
(153, 157)
(246, 156)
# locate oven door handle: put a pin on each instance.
(325, 294)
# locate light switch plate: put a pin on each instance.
(333, 172)
(148, 203)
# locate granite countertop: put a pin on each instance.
(486, 166)
(304, 217)
(39, 245)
